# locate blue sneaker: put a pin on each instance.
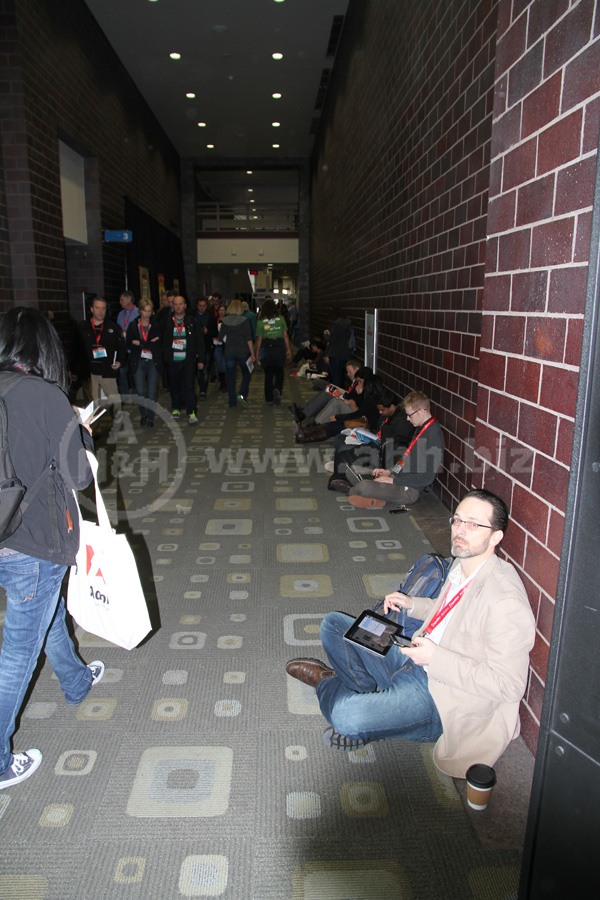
(22, 765)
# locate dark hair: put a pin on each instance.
(268, 310)
(363, 372)
(128, 294)
(388, 398)
(29, 343)
(499, 517)
(373, 388)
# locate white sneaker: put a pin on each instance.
(97, 669)
(22, 765)
(330, 466)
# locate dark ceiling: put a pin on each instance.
(226, 49)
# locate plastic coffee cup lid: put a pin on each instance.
(481, 776)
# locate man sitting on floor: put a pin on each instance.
(461, 682)
(415, 470)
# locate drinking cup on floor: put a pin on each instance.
(480, 782)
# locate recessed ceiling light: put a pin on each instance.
(275, 146)
(276, 96)
(250, 190)
(210, 146)
(175, 55)
(248, 171)
(277, 55)
(253, 201)
(190, 95)
(201, 124)
(219, 29)
(278, 1)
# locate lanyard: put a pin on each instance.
(146, 333)
(179, 326)
(444, 609)
(385, 421)
(427, 425)
(97, 331)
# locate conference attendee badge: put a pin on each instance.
(99, 352)
(146, 354)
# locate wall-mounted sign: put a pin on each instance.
(118, 237)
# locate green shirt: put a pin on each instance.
(271, 329)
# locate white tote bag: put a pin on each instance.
(104, 595)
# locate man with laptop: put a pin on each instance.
(416, 468)
(460, 680)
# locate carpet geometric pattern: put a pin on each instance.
(196, 768)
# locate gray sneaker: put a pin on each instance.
(276, 397)
(97, 669)
(336, 741)
(242, 400)
(22, 765)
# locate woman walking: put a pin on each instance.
(143, 342)
(47, 448)
(239, 351)
(272, 349)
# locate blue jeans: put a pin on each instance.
(146, 380)
(231, 363)
(35, 612)
(372, 697)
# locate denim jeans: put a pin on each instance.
(372, 697)
(35, 612)
(273, 381)
(231, 364)
(146, 380)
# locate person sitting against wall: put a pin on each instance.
(316, 406)
(462, 678)
(394, 433)
(368, 389)
(415, 470)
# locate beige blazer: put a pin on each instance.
(478, 672)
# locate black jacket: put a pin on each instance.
(152, 343)
(110, 338)
(194, 339)
(44, 435)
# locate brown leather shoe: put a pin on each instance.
(308, 671)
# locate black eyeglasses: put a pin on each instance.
(470, 526)
(413, 413)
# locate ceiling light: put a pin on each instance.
(276, 96)
(253, 201)
(219, 29)
(190, 95)
(201, 124)
(278, 1)
(277, 55)
(210, 146)
(175, 55)
(250, 190)
(248, 171)
(276, 146)
(275, 124)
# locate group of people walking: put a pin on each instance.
(129, 356)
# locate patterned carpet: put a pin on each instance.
(196, 768)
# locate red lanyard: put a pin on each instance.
(427, 425)
(143, 333)
(444, 609)
(97, 331)
(178, 326)
(385, 421)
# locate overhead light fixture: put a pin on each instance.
(219, 29)
(275, 146)
(275, 124)
(277, 55)
(190, 95)
(250, 190)
(276, 96)
(175, 55)
(210, 146)
(248, 171)
(253, 201)
(201, 124)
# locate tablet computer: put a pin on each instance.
(375, 633)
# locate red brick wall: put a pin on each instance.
(452, 188)
(399, 199)
(63, 80)
(544, 145)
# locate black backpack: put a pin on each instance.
(12, 490)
